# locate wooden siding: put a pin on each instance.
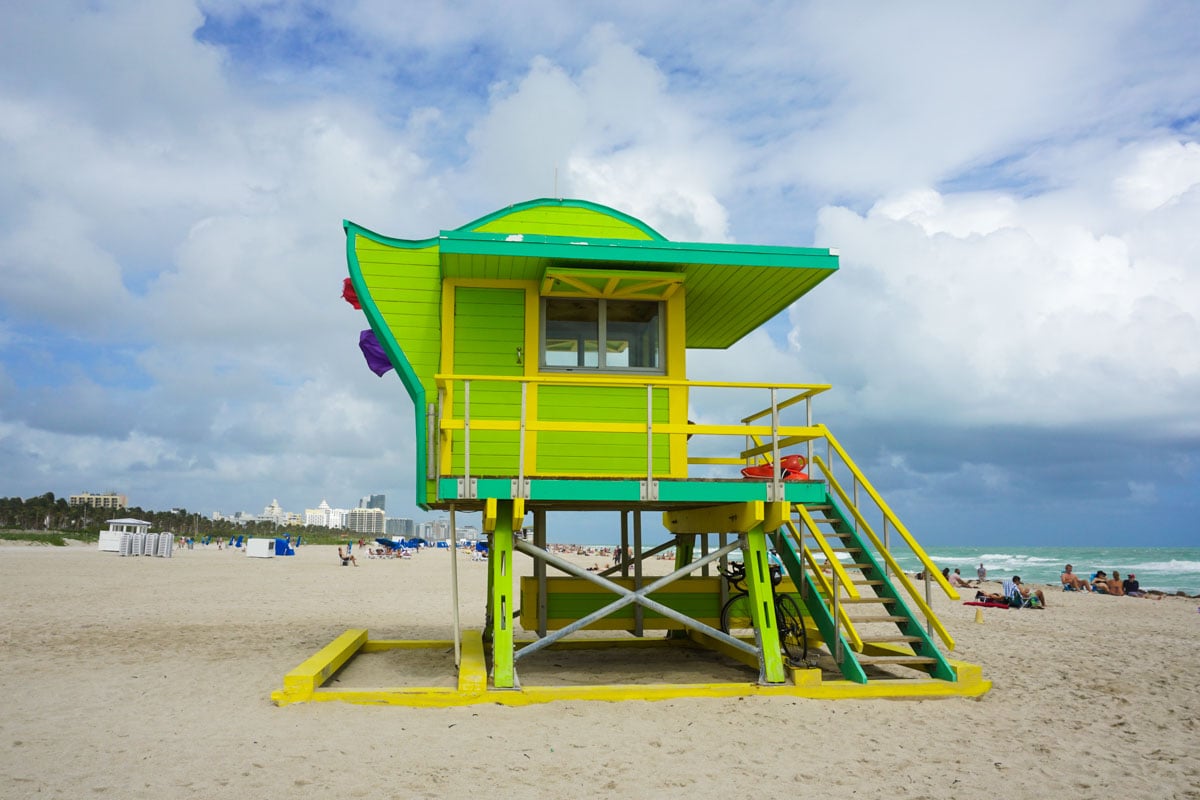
(584, 223)
(489, 326)
(585, 453)
(407, 289)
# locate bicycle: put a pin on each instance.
(736, 619)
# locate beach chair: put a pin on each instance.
(1018, 600)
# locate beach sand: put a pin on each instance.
(147, 677)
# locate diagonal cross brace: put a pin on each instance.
(629, 596)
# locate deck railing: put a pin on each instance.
(764, 440)
(763, 433)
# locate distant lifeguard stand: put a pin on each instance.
(544, 350)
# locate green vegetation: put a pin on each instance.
(48, 520)
(37, 537)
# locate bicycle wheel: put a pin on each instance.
(792, 635)
(735, 616)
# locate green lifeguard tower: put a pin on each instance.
(544, 350)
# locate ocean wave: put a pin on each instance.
(1168, 567)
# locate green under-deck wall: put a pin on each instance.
(583, 453)
(489, 327)
(406, 286)
(584, 223)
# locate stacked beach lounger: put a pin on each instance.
(147, 544)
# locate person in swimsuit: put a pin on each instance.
(1072, 581)
(1114, 585)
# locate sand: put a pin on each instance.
(147, 677)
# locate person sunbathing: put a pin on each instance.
(1100, 582)
(347, 558)
(1114, 585)
(1072, 582)
(1131, 587)
(957, 579)
(1013, 593)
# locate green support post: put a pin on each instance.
(762, 605)
(500, 584)
(685, 549)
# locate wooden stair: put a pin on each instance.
(895, 638)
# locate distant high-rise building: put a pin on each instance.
(273, 513)
(365, 520)
(325, 517)
(375, 501)
(106, 500)
(399, 526)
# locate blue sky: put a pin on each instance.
(1013, 337)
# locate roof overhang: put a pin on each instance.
(731, 289)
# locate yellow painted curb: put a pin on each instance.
(304, 683)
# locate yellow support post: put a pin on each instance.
(518, 513)
(500, 566)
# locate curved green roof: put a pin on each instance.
(731, 289)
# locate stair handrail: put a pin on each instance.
(824, 585)
(847, 628)
(834, 562)
(930, 567)
(930, 617)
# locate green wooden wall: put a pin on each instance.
(585, 223)
(489, 327)
(583, 453)
(406, 286)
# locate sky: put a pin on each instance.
(1013, 337)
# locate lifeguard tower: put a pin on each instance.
(544, 350)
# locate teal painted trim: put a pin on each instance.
(600, 490)
(594, 491)
(564, 203)
(549, 490)
(627, 250)
(395, 354)
(817, 610)
(353, 228)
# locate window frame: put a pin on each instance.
(602, 367)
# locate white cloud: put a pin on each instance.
(974, 308)
(612, 134)
(1161, 174)
(1018, 231)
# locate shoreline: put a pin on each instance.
(598, 553)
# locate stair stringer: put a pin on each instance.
(817, 610)
(924, 645)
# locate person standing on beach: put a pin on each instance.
(981, 572)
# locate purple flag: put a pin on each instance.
(372, 350)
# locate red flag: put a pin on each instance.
(348, 293)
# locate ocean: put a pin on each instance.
(1168, 569)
